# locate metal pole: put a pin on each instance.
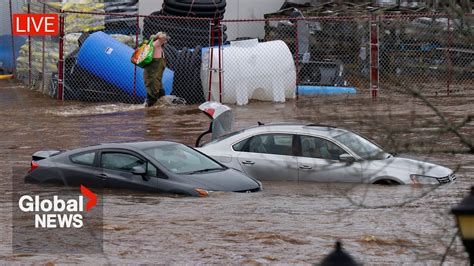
(450, 69)
(29, 52)
(374, 57)
(297, 58)
(61, 56)
(43, 68)
(219, 40)
(13, 39)
(135, 66)
(211, 59)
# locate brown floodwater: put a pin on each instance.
(288, 222)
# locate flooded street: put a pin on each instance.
(288, 222)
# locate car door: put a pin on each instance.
(269, 157)
(81, 169)
(117, 170)
(318, 160)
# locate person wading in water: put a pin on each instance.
(153, 72)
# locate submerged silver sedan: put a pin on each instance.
(318, 153)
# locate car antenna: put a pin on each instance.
(260, 123)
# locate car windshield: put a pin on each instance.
(362, 146)
(181, 159)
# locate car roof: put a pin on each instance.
(139, 145)
(298, 128)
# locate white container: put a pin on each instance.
(251, 70)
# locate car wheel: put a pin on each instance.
(387, 182)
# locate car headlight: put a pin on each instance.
(202, 192)
(423, 180)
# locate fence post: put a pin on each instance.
(219, 41)
(13, 39)
(297, 56)
(42, 70)
(374, 56)
(29, 51)
(211, 57)
(450, 68)
(61, 56)
(135, 66)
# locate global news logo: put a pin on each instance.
(58, 213)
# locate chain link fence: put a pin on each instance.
(183, 53)
(37, 59)
(250, 65)
(330, 54)
(431, 53)
(9, 45)
(277, 59)
(237, 61)
(100, 69)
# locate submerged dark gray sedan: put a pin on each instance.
(156, 166)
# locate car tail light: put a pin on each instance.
(202, 192)
(33, 166)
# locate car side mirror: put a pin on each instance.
(138, 170)
(346, 158)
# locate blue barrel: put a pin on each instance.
(6, 51)
(109, 59)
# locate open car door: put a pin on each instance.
(221, 120)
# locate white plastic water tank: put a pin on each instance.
(251, 70)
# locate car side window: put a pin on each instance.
(151, 170)
(239, 146)
(86, 158)
(280, 144)
(314, 147)
(120, 161)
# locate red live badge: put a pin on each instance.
(35, 24)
